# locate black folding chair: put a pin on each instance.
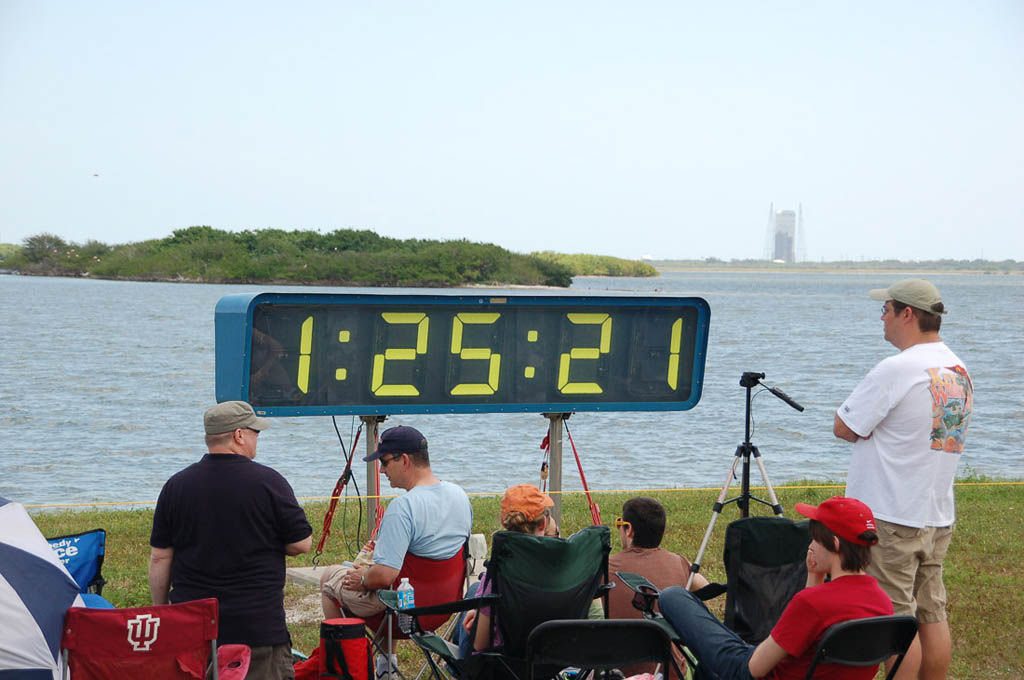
(865, 642)
(765, 566)
(645, 599)
(596, 645)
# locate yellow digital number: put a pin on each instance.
(377, 385)
(565, 359)
(475, 354)
(305, 349)
(673, 356)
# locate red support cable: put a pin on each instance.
(339, 488)
(595, 512)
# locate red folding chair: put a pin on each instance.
(435, 582)
(161, 642)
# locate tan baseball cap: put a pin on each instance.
(916, 293)
(229, 416)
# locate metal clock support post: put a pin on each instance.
(370, 427)
(555, 462)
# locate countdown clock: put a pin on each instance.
(367, 354)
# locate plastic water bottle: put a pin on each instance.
(406, 600)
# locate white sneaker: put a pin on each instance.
(383, 668)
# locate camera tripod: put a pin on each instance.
(744, 452)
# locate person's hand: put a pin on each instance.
(814, 576)
(353, 580)
(467, 622)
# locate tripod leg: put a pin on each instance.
(716, 510)
(776, 507)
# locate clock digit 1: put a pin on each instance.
(475, 354)
(377, 385)
(577, 353)
(673, 356)
(305, 349)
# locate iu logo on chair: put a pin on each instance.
(142, 631)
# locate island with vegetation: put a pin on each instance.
(344, 257)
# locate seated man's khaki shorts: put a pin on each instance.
(908, 565)
(361, 603)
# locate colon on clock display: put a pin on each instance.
(317, 354)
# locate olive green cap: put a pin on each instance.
(916, 293)
(229, 416)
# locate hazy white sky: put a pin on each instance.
(661, 128)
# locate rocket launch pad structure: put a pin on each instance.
(784, 241)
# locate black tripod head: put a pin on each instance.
(750, 379)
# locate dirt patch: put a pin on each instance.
(302, 605)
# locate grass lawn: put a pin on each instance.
(984, 578)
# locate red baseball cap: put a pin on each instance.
(845, 517)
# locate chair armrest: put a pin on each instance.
(389, 598)
(710, 591)
(645, 592)
(636, 582)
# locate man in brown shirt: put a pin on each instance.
(640, 529)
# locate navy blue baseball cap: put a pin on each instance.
(401, 439)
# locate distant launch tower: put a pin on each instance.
(785, 238)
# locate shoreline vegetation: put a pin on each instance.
(984, 582)
(347, 257)
(344, 257)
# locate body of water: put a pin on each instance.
(103, 385)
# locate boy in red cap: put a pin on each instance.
(842, 532)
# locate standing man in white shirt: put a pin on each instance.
(907, 420)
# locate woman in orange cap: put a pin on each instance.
(526, 509)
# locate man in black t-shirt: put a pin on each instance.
(222, 528)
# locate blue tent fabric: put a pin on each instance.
(26, 674)
(35, 592)
(45, 598)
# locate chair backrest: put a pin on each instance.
(596, 644)
(765, 565)
(541, 578)
(434, 582)
(865, 642)
(162, 641)
(82, 555)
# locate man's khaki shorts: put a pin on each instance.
(907, 562)
(271, 663)
(361, 603)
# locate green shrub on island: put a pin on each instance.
(341, 257)
(582, 264)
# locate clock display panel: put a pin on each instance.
(304, 354)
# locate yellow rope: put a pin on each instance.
(500, 493)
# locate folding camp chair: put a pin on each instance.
(161, 642)
(765, 565)
(82, 555)
(595, 645)
(434, 582)
(533, 579)
(865, 642)
(645, 599)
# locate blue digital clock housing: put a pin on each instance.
(298, 354)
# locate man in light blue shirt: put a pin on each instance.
(433, 520)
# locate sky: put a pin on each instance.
(662, 129)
